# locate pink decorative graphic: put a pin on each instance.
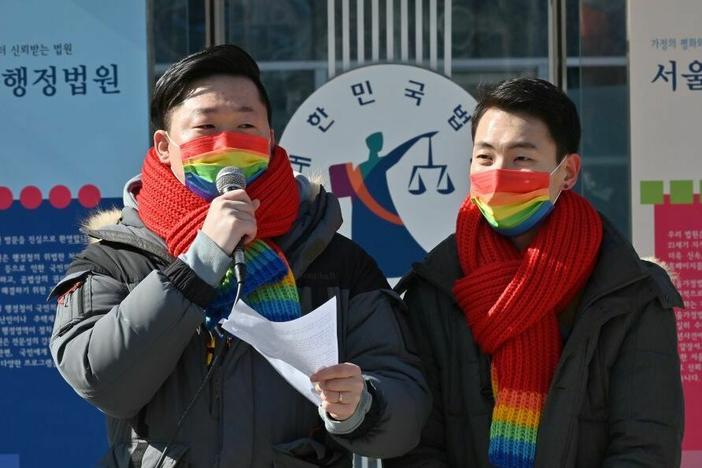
(60, 196)
(30, 197)
(89, 196)
(678, 242)
(5, 198)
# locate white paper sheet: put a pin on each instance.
(297, 348)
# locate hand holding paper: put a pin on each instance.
(340, 388)
(297, 348)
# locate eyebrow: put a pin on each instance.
(516, 145)
(217, 110)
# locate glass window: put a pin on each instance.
(597, 82)
(288, 39)
(177, 29)
(490, 41)
(494, 41)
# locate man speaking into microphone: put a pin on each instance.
(136, 330)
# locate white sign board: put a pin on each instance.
(665, 56)
(73, 94)
(393, 142)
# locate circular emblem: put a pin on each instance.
(393, 143)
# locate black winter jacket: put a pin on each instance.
(127, 338)
(615, 399)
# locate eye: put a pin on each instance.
(205, 126)
(522, 158)
(246, 125)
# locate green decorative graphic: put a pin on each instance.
(681, 192)
(651, 192)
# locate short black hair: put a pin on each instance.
(174, 85)
(536, 98)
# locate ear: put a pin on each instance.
(273, 142)
(572, 168)
(161, 146)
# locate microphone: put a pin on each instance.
(228, 179)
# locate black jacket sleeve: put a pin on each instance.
(645, 394)
(421, 299)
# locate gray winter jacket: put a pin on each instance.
(616, 396)
(128, 339)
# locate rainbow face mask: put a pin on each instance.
(205, 156)
(512, 201)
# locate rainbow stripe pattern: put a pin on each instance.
(515, 424)
(511, 201)
(277, 298)
(269, 289)
(204, 157)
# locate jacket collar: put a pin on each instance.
(318, 219)
(440, 268)
(619, 266)
(127, 228)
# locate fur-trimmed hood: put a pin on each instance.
(99, 219)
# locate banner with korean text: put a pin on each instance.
(74, 100)
(665, 70)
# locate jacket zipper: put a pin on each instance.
(226, 342)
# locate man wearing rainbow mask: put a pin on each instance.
(547, 342)
(136, 327)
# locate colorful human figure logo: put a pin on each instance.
(376, 224)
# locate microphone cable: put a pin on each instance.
(222, 350)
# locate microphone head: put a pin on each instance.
(230, 178)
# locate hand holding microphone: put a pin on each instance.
(231, 218)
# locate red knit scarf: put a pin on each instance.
(175, 213)
(511, 300)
